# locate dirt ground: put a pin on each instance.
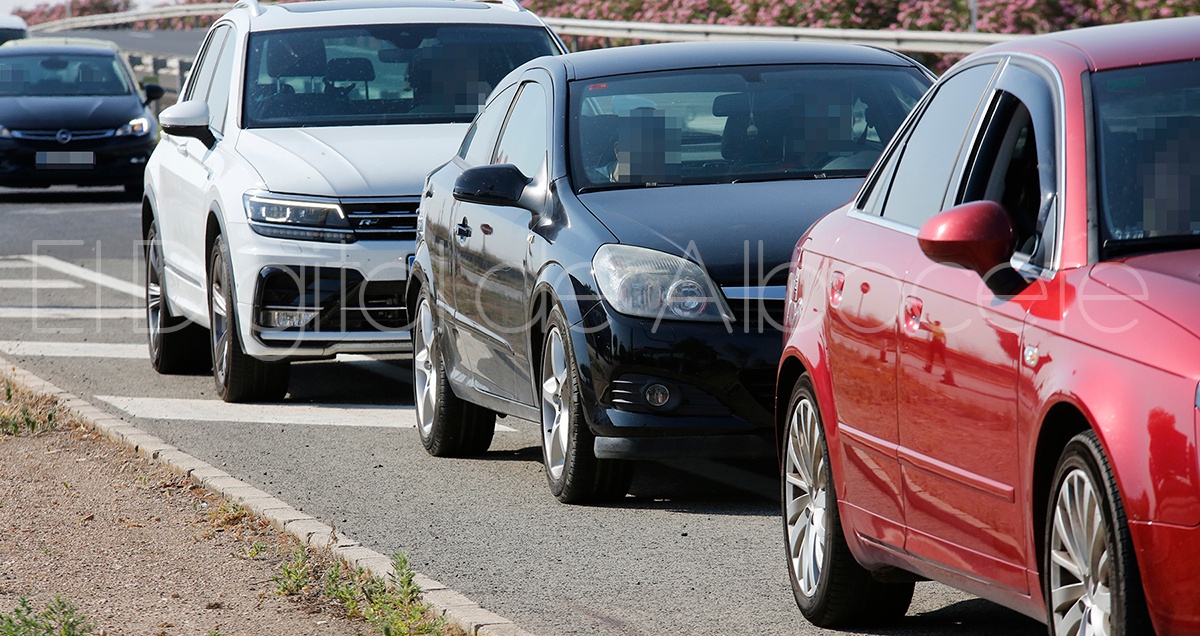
(136, 549)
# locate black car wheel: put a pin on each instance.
(574, 473)
(448, 425)
(1092, 581)
(239, 377)
(830, 587)
(177, 345)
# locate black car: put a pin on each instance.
(608, 252)
(71, 113)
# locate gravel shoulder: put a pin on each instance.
(136, 548)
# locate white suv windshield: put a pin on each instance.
(381, 74)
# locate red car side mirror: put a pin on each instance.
(977, 235)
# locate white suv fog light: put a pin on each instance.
(287, 319)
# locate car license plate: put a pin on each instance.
(66, 159)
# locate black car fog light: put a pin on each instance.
(657, 395)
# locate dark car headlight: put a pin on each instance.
(135, 128)
(297, 218)
(650, 284)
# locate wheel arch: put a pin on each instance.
(1062, 422)
(213, 227)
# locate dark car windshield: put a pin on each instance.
(1148, 156)
(381, 74)
(752, 123)
(62, 74)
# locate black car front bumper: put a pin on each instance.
(720, 379)
(110, 160)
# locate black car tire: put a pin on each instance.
(831, 588)
(573, 472)
(1084, 484)
(177, 345)
(238, 376)
(447, 425)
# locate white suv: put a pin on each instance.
(280, 210)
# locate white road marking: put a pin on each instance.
(83, 273)
(11, 263)
(74, 349)
(363, 415)
(358, 415)
(38, 283)
(73, 313)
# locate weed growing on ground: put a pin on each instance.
(295, 574)
(26, 413)
(60, 618)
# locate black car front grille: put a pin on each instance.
(758, 315)
(393, 219)
(342, 299)
(52, 135)
(760, 383)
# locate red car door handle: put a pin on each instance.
(913, 309)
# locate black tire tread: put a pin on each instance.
(460, 428)
(248, 378)
(183, 346)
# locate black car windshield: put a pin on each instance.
(733, 124)
(381, 74)
(62, 75)
(1148, 156)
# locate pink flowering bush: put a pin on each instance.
(48, 11)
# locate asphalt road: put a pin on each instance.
(695, 549)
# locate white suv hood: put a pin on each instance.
(349, 161)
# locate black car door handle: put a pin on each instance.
(462, 230)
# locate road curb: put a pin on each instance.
(459, 610)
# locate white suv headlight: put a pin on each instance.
(297, 218)
(650, 284)
(135, 128)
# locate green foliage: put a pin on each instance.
(295, 574)
(60, 618)
(392, 607)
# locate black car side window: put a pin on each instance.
(480, 140)
(928, 156)
(218, 95)
(201, 77)
(1014, 163)
(524, 140)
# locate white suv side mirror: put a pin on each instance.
(188, 119)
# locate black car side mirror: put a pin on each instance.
(501, 184)
(153, 92)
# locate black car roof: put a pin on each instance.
(682, 55)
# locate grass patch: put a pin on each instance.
(23, 412)
(392, 606)
(60, 618)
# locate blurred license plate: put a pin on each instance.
(66, 159)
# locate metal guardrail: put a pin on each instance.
(899, 40)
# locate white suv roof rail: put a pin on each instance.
(511, 4)
(251, 5)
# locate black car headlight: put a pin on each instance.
(650, 284)
(299, 218)
(135, 128)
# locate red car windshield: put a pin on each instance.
(1148, 157)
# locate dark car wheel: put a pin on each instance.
(830, 587)
(572, 469)
(239, 377)
(1092, 582)
(448, 425)
(177, 345)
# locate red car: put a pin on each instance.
(992, 353)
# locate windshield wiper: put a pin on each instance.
(623, 186)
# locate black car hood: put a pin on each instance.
(724, 225)
(75, 113)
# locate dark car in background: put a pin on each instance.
(606, 254)
(71, 113)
